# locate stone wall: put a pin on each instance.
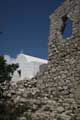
(64, 54)
(55, 93)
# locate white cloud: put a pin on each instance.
(9, 59)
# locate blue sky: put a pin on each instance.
(25, 26)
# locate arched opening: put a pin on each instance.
(66, 28)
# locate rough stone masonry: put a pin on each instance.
(64, 55)
(55, 93)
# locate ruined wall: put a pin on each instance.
(64, 54)
(54, 94)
